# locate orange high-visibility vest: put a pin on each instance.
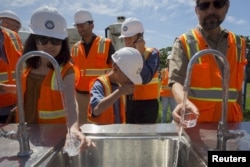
(165, 90)
(150, 90)
(95, 64)
(107, 116)
(206, 78)
(50, 105)
(13, 49)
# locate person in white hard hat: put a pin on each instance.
(108, 91)
(10, 51)
(92, 55)
(10, 20)
(42, 99)
(142, 105)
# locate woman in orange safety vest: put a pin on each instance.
(42, 99)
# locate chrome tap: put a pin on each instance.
(22, 133)
(223, 134)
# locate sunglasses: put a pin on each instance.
(43, 40)
(217, 4)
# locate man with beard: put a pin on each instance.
(205, 95)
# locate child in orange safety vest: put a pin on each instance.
(107, 92)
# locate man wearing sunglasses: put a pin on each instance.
(205, 95)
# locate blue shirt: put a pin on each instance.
(97, 94)
(2, 51)
(150, 67)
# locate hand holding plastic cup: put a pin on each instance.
(189, 119)
(72, 146)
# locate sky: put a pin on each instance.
(163, 20)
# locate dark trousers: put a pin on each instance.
(141, 111)
(3, 118)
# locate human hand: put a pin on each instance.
(77, 142)
(178, 111)
(139, 44)
(127, 89)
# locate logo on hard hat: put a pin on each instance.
(49, 24)
(125, 28)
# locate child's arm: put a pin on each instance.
(108, 101)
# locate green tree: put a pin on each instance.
(164, 52)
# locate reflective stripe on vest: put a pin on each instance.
(193, 47)
(94, 72)
(51, 115)
(165, 87)
(106, 85)
(209, 94)
(239, 43)
(54, 85)
(101, 46)
(14, 40)
(75, 47)
(155, 80)
(4, 76)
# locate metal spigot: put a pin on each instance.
(22, 133)
(223, 134)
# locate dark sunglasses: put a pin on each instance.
(217, 4)
(43, 40)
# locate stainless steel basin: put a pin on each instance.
(137, 149)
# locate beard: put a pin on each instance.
(211, 22)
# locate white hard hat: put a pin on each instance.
(10, 14)
(47, 21)
(130, 27)
(130, 62)
(82, 16)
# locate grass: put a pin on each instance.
(246, 112)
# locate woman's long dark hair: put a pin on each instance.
(30, 45)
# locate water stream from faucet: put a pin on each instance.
(180, 130)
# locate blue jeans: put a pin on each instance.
(167, 101)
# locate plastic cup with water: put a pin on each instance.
(72, 146)
(189, 119)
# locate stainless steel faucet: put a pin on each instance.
(22, 133)
(223, 134)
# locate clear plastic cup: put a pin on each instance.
(190, 119)
(72, 146)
